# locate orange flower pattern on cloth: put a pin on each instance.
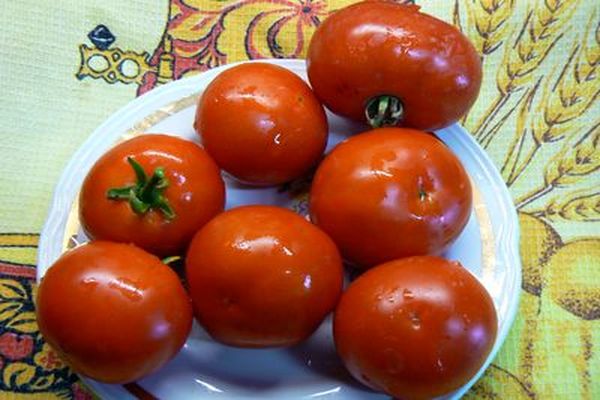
(195, 29)
(48, 359)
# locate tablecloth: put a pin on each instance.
(66, 65)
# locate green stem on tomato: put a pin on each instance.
(384, 110)
(147, 193)
(170, 259)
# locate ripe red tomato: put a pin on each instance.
(390, 193)
(154, 191)
(262, 276)
(112, 311)
(262, 124)
(415, 328)
(406, 67)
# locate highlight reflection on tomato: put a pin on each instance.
(154, 191)
(394, 63)
(112, 311)
(262, 276)
(390, 193)
(415, 328)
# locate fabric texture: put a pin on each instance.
(65, 66)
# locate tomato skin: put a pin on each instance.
(196, 193)
(112, 311)
(415, 328)
(262, 124)
(391, 193)
(262, 276)
(377, 48)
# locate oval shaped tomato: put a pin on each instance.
(262, 276)
(154, 191)
(395, 63)
(112, 311)
(390, 193)
(415, 328)
(262, 124)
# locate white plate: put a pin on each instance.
(204, 369)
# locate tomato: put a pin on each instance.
(112, 311)
(394, 63)
(415, 328)
(262, 276)
(262, 124)
(390, 193)
(154, 191)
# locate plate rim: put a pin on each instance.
(507, 240)
(510, 248)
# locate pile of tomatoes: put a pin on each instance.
(388, 202)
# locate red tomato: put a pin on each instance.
(390, 193)
(406, 67)
(262, 276)
(154, 191)
(262, 124)
(415, 328)
(112, 311)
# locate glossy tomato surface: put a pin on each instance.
(381, 47)
(261, 123)
(113, 312)
(194, 190)
(262, 276)
(390, 193)
(415, 328)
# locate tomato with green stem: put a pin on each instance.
(390, 64)
(154, 191)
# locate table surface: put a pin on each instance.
(66, 66)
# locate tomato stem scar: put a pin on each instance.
(384, 110)
(147, 193)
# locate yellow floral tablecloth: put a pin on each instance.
(67, 65)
